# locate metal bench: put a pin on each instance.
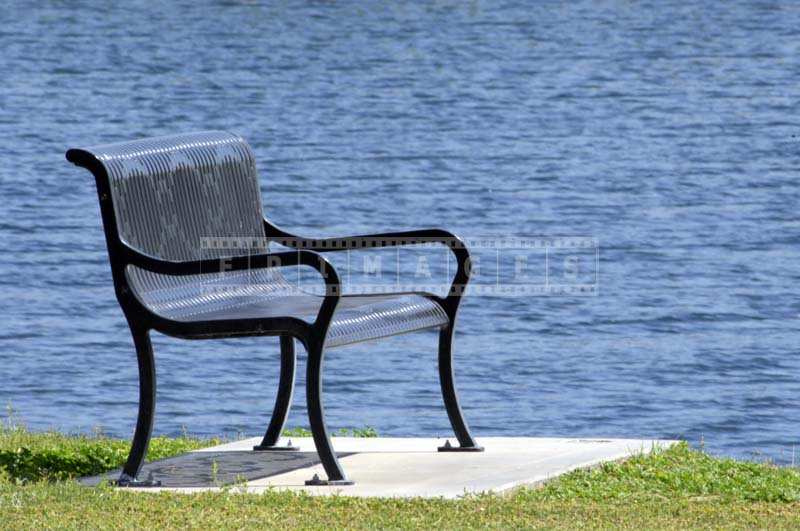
(163, 199)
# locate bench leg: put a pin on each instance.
(283, 401)
(147, 406)
(316, 417)
(447, 381)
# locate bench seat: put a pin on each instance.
(259, 294)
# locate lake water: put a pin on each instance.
(665, 130)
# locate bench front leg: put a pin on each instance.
(147, 407)
(316, 417)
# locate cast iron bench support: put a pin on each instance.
(283, 400)
(159, 278)
(450, 303)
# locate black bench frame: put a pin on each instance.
(308, 253)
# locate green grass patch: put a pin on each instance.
(27, 456)
(343, 432)
(678, 472)
(675, 488)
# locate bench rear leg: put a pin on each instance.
(283, 401)
(316, 417)
(147, 406)
(447, 380)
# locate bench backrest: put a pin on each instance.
(172, 193)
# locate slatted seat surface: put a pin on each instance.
(172, 194)
(256, 295)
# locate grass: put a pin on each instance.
(675, 488)
(343, 432)
(26, 456)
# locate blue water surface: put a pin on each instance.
(666, 130)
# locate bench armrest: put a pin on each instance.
(388, 239)
(233, 263)
(333, 286)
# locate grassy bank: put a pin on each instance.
(675, 488)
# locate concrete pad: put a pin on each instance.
(410, 467)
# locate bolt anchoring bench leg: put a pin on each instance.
(316, 417)
(447, 380)
(283, 401)
(147, 406)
